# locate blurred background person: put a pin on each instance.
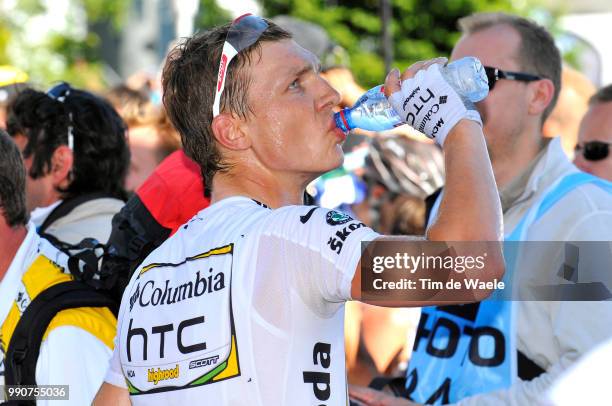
(572, 104)
(595, 136)
(399, 172)
(76, 155)
(524, 82)
(78, 342)
(151, 136)
(12, 80)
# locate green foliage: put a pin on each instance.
(210, 15)
(113, 10)
(420, 29)
(67, 53)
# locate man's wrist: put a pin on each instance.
(465, 128)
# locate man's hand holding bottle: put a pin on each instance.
(423, 97)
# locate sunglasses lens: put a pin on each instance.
(490, 72)
(59, 92)
(595, 151)
(245, 31)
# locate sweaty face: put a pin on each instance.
(505, 108)
(596, 126)
(292, 126)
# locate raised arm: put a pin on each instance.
(470, 209)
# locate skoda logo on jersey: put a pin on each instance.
(335, 218)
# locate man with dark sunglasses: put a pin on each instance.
(244, 304)
(524, 70)
(595, 136)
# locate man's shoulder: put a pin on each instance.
(588, 198)
(90, 219)
(97, 321)
(311, 217)
(584, 212)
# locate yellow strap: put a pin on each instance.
(42, 274)
(98, 321)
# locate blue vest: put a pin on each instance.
(464, 350)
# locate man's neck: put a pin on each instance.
(507, 166)
(12, 238)
(274, 192)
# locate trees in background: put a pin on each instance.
(421, 29)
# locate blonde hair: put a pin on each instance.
(137, 110)
(564, 120)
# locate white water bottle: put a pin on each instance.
(374, 113)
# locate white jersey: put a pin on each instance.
(243, 305)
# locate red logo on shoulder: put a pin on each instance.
(222, 67)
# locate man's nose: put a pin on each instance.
(330, 97)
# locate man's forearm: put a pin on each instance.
(470, 209)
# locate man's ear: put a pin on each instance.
(230, 133)
(61, 165)
(543, 91)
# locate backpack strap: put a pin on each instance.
(24, 347)
(67, 206)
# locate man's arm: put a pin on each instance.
(111, 395)
(60, 364)
(114, 388)
(470, 209)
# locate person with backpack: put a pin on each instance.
(76, 156)
(53, 329)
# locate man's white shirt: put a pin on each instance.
(555, 334)
(243, 305)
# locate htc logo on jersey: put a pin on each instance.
(161, 331)
(321, 355)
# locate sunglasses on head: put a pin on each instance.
(594, 150)
(244, 32)
(495, 74)
(60, 92)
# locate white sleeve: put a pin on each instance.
(114, 374)
(595, 226)
(74, 357)
(322, 247)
